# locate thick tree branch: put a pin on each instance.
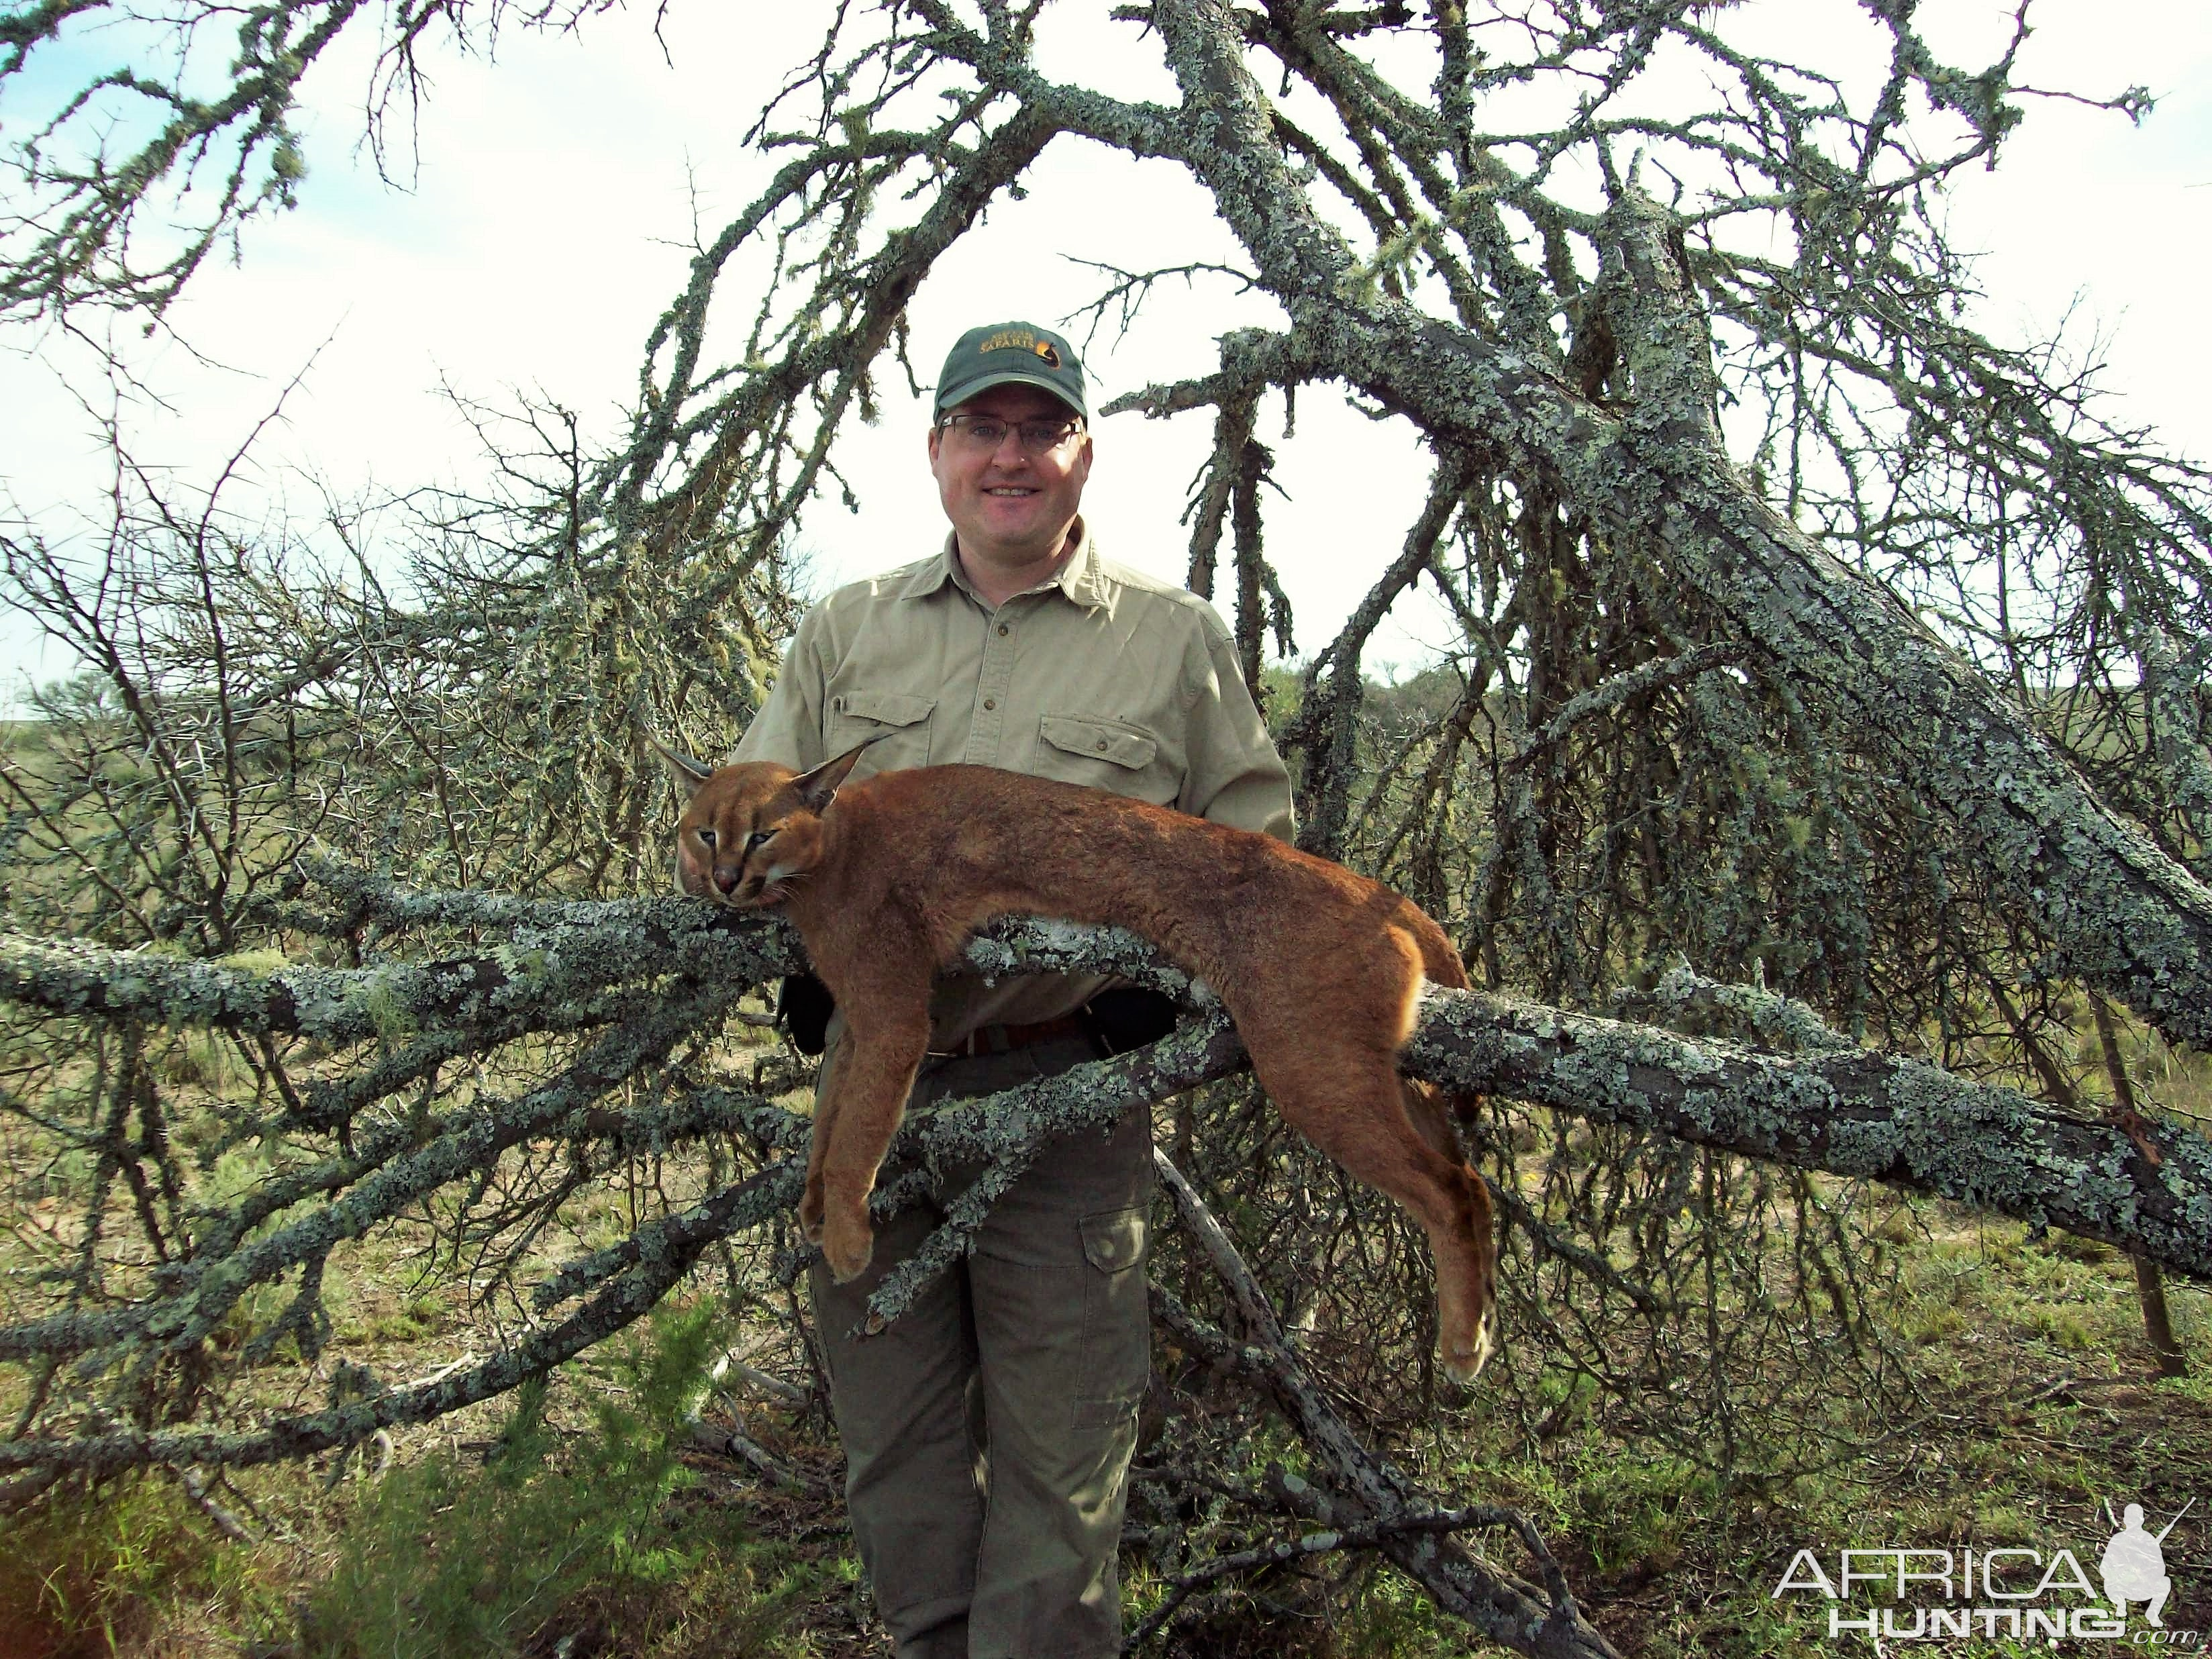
(2123, 916)
(1850, 1112)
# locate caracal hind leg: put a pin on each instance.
(1431, 1109)
(1425, 1110)
(1352, 1106)
(867, 1099)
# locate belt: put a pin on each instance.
(1002, 1039)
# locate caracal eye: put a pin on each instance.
(706, 835)
(758, 838)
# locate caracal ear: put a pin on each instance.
(688, 773)
(817, 788)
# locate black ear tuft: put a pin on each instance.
(687, 774)
(817, 788)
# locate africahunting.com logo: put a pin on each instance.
(2016, 1591)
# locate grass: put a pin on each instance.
(585, 1515)
(2037, 1404)
(96, 1570)
(587, 1524)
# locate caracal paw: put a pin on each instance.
(848, 1241)
(1464, 1353)
(811, 1209)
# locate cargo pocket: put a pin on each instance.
(895, 723)
(1116, 756)
(1114, 1242)
(1115, 1329)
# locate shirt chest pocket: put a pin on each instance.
(895, 723)
(1118, 757)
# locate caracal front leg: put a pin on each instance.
(879, 1056)
(825, 1117)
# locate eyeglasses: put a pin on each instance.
(1039, 437)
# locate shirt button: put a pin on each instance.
(990, 703)
(1004, 630)
(1101, 746)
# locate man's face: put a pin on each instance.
(1007, 506)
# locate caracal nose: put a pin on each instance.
(725, 879)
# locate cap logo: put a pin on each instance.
(1011, 339)
(1044, 350)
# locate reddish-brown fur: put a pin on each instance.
(1320, 968)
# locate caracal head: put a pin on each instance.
(749, 832)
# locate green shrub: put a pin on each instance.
(546, 1539)
(83, 1573)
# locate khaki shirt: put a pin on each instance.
(1102, 676)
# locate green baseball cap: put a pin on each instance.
(1011, 354)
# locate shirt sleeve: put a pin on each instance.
(1234, 775)
(788, 727)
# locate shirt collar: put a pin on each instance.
(1080, 580)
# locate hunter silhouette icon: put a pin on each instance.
(2133, 1565)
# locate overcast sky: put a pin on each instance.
(559, 186)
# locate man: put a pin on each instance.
(988, 1431)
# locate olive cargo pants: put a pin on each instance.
(989, 1431)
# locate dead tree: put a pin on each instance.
(1829, 693)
